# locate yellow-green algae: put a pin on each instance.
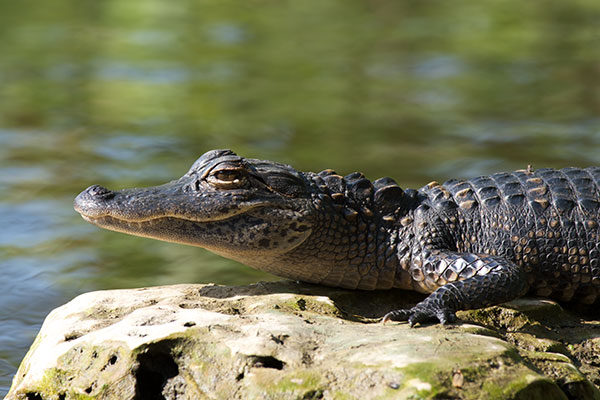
(310, 304)
(479, 379)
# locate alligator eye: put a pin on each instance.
(227, 178)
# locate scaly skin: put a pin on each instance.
(469, 244)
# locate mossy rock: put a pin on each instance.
(284, 340)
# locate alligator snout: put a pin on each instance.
(92, 199)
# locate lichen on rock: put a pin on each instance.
(285, 340)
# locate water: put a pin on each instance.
(130, 93)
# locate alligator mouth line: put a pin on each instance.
(156, 218)
(139, 227)
(110, 220)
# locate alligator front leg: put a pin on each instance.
(466, 281)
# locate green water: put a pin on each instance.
(129, 93)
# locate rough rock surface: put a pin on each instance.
(284, 340)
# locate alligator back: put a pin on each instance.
(545, 221)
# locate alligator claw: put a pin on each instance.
(417, 315)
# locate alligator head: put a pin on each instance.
(320, 228)
(244, 209)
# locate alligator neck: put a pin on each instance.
(361, 237)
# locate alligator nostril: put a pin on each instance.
(98, 190)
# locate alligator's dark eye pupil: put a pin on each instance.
(227, 176)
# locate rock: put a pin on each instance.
(284, 340)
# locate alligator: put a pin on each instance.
(468, 244)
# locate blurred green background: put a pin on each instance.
(129, 93)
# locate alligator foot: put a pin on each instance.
(419, 314)
(486, 280)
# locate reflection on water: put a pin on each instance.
(130, 93)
